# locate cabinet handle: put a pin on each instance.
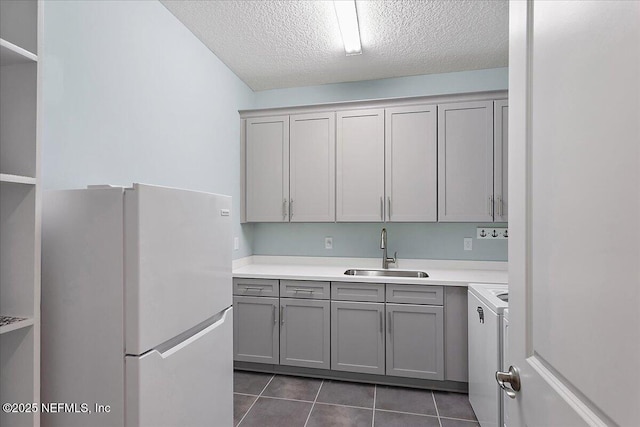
(491, 206)
(389, 321)
(389, 203)
(252, 288)
(273, 313)
(303, 290)
(381, 322)
(284, 209)
(282, 315)
(382, 208)
(290, 209)
(499, 203)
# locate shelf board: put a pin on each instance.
(12, 323)
(11, 54)
(17, 179)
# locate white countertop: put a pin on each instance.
(448, 273)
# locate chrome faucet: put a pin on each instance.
(383, 245)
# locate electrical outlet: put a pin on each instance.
(236, 243)
(328, 242)
(468, 244)
(492, 233)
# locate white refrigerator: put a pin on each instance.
(136, 308)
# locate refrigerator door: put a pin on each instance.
(187, 384)
(177, 262)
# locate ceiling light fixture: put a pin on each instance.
(348, 22)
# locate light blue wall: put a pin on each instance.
(415, 241)
(432, 241)
(131, 95)
(425, 85)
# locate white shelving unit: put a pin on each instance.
(20, 29)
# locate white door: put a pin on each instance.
(574, 183)
(312, 168)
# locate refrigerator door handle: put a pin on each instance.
(164, 353)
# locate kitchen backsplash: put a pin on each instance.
(414, 240)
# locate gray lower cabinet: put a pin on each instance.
(255, 329)
(357, 337)
(304, 333)
(415, 341)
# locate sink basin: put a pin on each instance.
(385, 273)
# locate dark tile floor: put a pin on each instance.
(266, 400)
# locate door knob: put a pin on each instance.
(512, 378)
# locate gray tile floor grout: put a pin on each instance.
(373, 416)
(314, 403)
(254, 402)
(435, 405)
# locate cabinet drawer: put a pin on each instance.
(256, 287)
(415, 294)
(350, 291)
(304, 289)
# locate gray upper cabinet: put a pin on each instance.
(394, 161)
(357, 337)
(267, 169)
(304, 333)
(410, 163)
(255, 329)
(501, 158)
(360, 166)
(415, 341)
(312, 168)
(465, 162)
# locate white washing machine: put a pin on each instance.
(486, 305)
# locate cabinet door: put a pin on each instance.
(267, 157)
(255, 329)
(360, 166)
(304, 333)
(312, 168)
(357, 337)
(410, 163)
(465, 162)
(501, 159)
(415, 343)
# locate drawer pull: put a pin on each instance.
(253, 288)
(304, 290)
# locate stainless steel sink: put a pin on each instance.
(385, 273)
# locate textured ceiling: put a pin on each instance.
(275, 44)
